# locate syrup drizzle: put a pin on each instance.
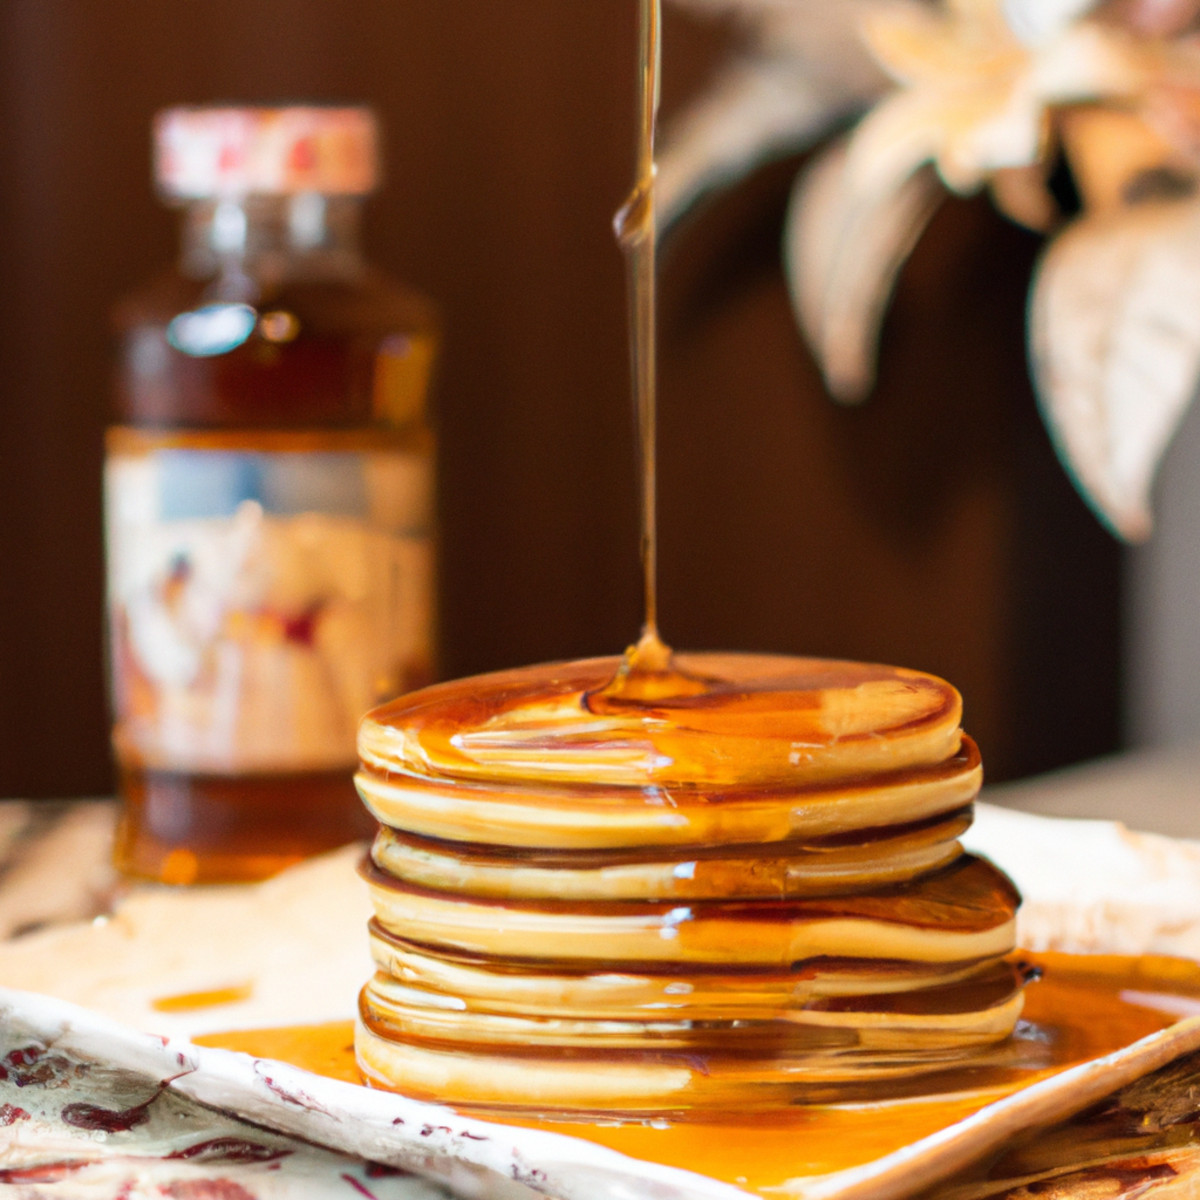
(647, 665)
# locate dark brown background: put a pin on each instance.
(931, 528)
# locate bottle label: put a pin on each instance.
(260, 601)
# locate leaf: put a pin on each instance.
(1115, 342)
(843, 249)
(756, 111)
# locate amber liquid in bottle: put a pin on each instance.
(310, 426)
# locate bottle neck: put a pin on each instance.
(272, 238)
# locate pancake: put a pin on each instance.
(814, 867)
(737, 884)
(966, 910)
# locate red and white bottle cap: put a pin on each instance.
(203, 152)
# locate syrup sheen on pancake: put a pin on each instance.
(756, 898)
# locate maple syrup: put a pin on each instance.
(600, 898)
(1081, 1008)
(268, 500)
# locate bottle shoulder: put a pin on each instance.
(366, 300)
(335, 350)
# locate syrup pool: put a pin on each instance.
(1080, 1008)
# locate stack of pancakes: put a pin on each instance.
(744, 890)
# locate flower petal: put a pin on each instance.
(1115, 339)
(1035, 21)
(1092, 61)
(974, 10)
(1108, 149)
(988, 131)
(1156, 18)
(756, 110)
(843, 249)
(903, 131)
(1022, 194)
(910, 41)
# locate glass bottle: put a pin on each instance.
(268, 498)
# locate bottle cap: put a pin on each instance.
(220, 151)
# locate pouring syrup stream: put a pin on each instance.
(647, 672)
(635, 229)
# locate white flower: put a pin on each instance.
(974, 94)
(989, 93)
